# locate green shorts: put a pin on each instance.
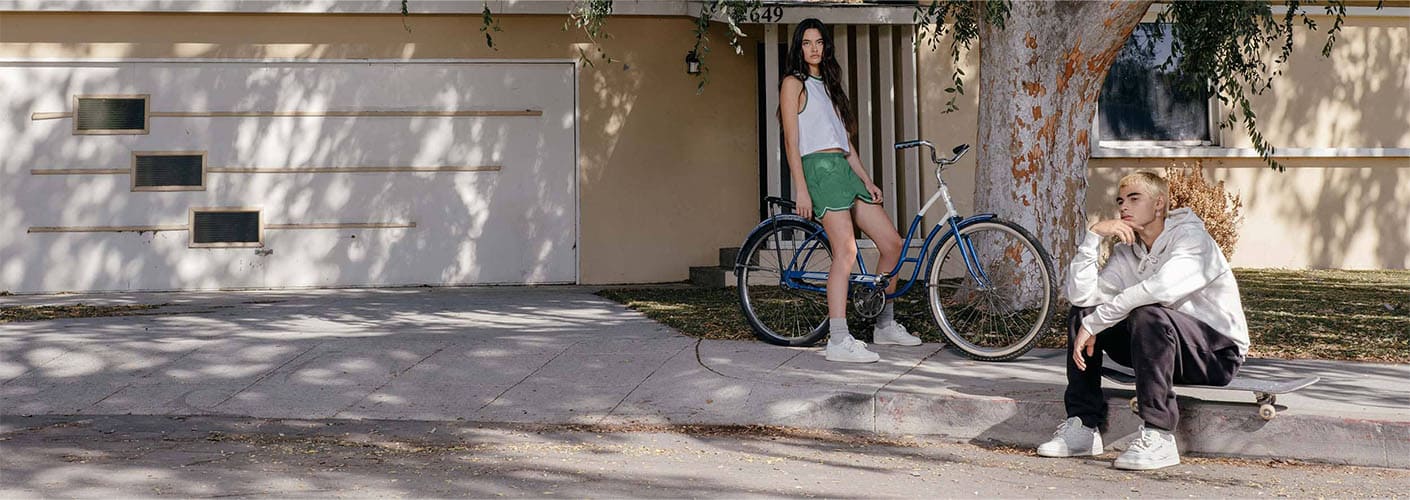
(832, 184)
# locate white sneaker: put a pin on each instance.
(894, 334)
(1072, 439)
(1153, 449)
(849, 350)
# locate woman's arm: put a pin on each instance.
(789, 102)
(856, 162)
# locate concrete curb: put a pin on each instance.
(1207, 428)
(1221, 429)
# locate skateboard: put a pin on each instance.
(1265, 391)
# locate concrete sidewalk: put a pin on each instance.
(563, 355)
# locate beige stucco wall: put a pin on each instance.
(1320, 213)
(666, 176)
(1356, 98)
(934, 69)
(1327, 212)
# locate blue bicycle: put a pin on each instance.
(990, 282)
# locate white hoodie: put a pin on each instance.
(1184, 271)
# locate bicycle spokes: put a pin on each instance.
(782, 282)
(991, 290)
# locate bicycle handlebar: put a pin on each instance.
(959, 151)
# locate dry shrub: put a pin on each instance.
(1211, 202)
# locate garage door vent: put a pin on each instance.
(226, 227)
(125, 114)
(168, 171)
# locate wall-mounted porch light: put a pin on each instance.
(692, 63)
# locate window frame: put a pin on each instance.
(1213, 111)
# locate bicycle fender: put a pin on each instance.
(967, 221)
(764, 225)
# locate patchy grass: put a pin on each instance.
(1328, 314)
(42, 313)
(711, 313)
(1322, 314)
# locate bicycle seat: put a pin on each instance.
(782, 203)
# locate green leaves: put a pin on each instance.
(590, 16)
(1217, 48)
(734, 13)
(961, 19)
(1220, 47)
(490, 25)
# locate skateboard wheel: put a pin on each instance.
(1135, 406)
(1267, 412)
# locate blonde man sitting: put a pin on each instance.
(1165, 304)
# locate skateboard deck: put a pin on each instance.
(1265, 391)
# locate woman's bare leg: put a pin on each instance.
(877, 225)
(838, 225)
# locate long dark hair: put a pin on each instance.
(831, 71)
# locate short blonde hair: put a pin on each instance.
(1153, 183)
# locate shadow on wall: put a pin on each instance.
(1330, 212)
(1320, 213)
(1365, 207)
(1355, 99)
(512, 226)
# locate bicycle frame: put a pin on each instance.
(956, 223)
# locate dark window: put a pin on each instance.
(225, 228)
(166, 171)
(1139, 102)
(111, 115)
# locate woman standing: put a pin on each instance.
(829, 179)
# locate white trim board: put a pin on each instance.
(831, 13)
(1218, 152)
(416, 7)
(279, 60)
(1314, 10)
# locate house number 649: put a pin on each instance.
(771, 14)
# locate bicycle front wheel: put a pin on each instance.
(995, 304)
(783, 281)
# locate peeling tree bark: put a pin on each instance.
(1039, 81)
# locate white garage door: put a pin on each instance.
(198, 175)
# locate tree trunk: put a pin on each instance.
(1039, 81)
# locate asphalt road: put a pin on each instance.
(148, 456)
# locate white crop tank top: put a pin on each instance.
(819, 127)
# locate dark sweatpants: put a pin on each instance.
(1162, 346)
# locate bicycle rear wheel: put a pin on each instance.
(996, 306)
(782, 281)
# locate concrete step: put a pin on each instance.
(712, 277)
(728, 255)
